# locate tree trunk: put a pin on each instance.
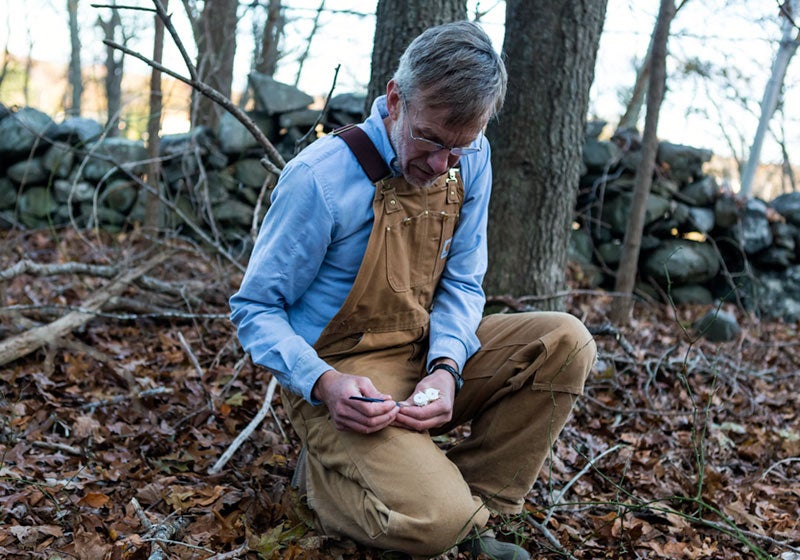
(626, 275)
(397, 23)
(537, 141)
(266, 60)
(114, 64)
(302, 60)
(215, 35)
(634, 106)
(74, 75)
(152, 215)
(790, 11)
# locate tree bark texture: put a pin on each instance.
(550, 50)
(269, 50)
(153, 206)
(75, 74)
(114, 67)
(215, 34)
(397, 23)
(628, 266)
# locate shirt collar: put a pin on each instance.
(376, 130)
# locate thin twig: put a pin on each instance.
(276, 161)
(321, 115)
(242, 437)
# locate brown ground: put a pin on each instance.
(680, 448)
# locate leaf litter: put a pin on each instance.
(680, 448)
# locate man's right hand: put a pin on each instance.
(335, 388)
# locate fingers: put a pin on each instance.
(363, 417)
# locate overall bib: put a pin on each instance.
(396, 489)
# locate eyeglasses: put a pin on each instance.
(431, 146)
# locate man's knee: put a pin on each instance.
(440, 525)
(573, 350)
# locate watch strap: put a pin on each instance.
(452, 371)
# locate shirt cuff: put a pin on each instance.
(448, 347)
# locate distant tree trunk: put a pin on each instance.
(268, 53)
(26, 80)
(153, 208)
(790, 12)
(75, 78)
(634, 106)
(114, 69)
(397, 23)
(301, 61)
(551, 49)
(215, 35)
(622, 306)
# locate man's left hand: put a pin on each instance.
(434, 414)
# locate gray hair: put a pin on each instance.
(454, 66)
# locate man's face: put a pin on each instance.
(420, 161)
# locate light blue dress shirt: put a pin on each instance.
(310, 247)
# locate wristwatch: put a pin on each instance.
(452, 371)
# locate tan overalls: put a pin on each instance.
(396, 489)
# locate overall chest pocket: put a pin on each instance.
(417, 249)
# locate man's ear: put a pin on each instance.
(393, 100)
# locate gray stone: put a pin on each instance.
(120, 195)
(726, 211)
(74, 191)
(220, 186)
(8, 193)
(617, 211)
(680, 261)
(23, 131)
(691, 294)
(250, 172)
(110, 154)
(600, 155)
(352, 104)
(28, 172)
(756, 232)
(58, 159)
(274, 97)
(700, 193)
(103, 216)
(702, 219)
(788, 206)
(580, 246)
(664, 187)
(774, 258)
(593, 128)
(684, 162)
(233, 136)
(37, 202)
(77, 131)
(718, 326)
(302, 118)
(233, 212)
(610, 254)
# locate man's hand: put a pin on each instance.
(435, 413)
(335, 388)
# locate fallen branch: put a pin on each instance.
(21, 345)
(235, 553)
(121, 398)
(158, 532)
(242, 437)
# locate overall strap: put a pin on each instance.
(365, 151)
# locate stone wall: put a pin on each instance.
(71, 173)
(701, 244)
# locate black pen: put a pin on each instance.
(365, 399)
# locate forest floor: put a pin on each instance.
(111, 419)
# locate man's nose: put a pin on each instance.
(441, 160)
